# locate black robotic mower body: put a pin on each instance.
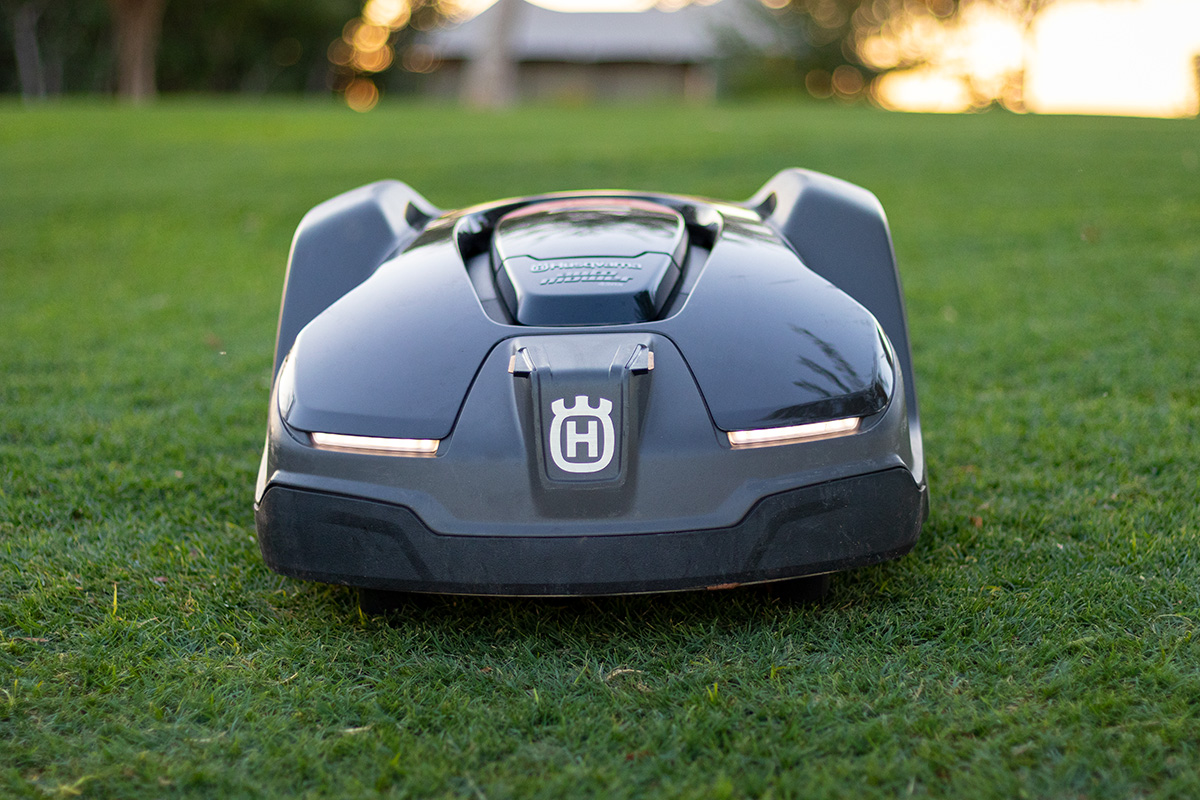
(591, 393)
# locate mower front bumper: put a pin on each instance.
(828, 527)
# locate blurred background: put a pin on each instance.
(1132, 57)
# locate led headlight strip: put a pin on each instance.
(769, 437)
(414, 448)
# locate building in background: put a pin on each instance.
(587, 56)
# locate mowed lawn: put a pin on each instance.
(1042, 640)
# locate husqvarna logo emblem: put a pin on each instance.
(582, 439)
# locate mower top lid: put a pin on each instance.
(767, 341)
(588, 261)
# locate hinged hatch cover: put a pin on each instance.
(588, 261)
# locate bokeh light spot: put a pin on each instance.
(373, 60)
(362, 95)
(819, 83)
(420, 58)
(370, 37)
(340, 52)
(847, 81)
(387, 13)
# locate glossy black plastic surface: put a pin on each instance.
(579, 359)
(678, 470)
(588, 261)
(339, 244)
(840, 232)
(395, 356)
(770, 342)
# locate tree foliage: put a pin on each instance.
(829, 40)
(205, 45)
(250, 45)
(832, 46)
(73, 44)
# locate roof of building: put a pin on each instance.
(691, 35)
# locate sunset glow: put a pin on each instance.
(1131, 57)
(972, 60)
(1117, 58)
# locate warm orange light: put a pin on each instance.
(340, 52)
(881, 52)
(847, 81)
(361, 95)
(371, 37)
(373, 60)
(922, 90)
(1082, 56)
(392, 14)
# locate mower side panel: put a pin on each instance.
(339, 244)
(840, 231)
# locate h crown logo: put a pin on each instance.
(582, 433)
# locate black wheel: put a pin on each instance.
(809, 589)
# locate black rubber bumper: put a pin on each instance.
(829, 527)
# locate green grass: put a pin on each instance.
(1040, 640)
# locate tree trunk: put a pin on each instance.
(1027, 49)
(137, 26)
(490, 79)
(29, 57)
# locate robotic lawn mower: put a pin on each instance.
(591, 393)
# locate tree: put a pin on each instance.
(829, 38)
(137, 28)
(211, 46)
(951, 49)
(490, 80)
(51, 47)
(30, 70)
(251, 46)
(1026, 13)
